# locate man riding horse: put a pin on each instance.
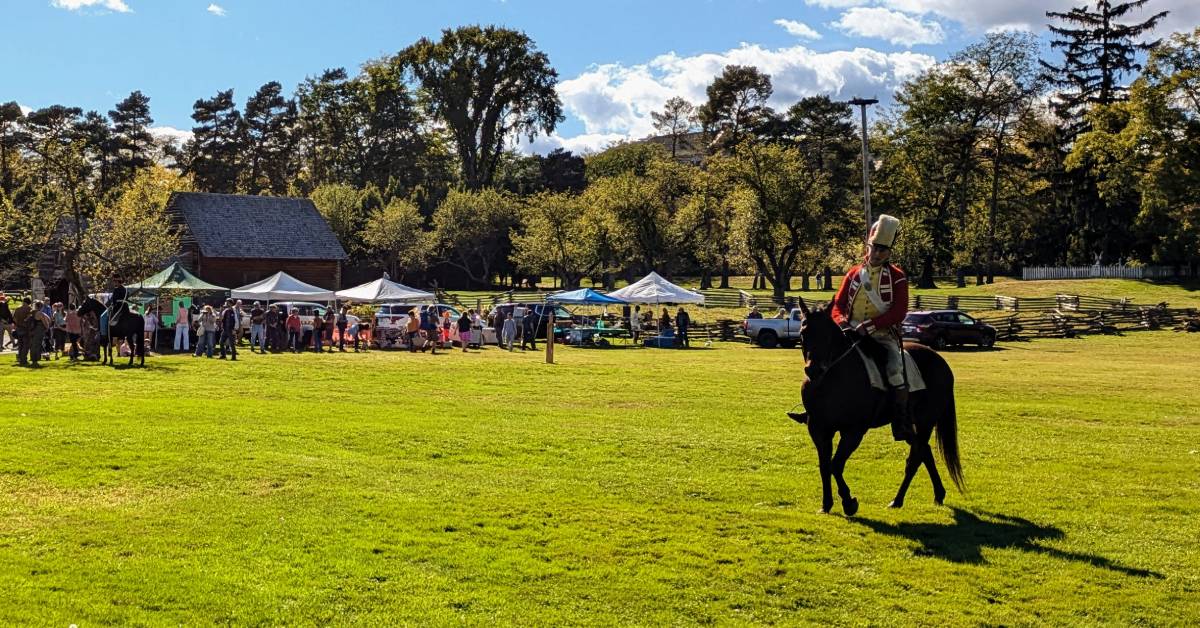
(117, 305)
(873, 301)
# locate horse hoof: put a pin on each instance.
(850, 506)
(823, 511)
(939, 501)
(896, 503)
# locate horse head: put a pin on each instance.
(820, 337)
(91, 306)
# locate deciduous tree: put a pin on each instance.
(486, 84)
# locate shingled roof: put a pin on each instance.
(272, 227)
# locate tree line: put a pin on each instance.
(994, 159)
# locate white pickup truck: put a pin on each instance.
(769, 333)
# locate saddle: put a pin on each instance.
(874, 358)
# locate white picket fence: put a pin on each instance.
(1103, 272)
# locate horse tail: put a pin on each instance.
(947, 439)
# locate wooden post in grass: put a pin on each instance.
(550, 338)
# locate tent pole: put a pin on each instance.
(550, 338)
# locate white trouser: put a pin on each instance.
(181, 332)
(895, 361)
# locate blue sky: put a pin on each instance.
(617, 60)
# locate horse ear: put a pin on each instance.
(803, 306)
(830, 306)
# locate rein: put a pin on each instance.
(828, 367)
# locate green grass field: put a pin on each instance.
(619, 486)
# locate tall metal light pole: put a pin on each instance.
(866, 154)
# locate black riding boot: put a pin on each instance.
(901, 424)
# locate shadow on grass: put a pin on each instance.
(121, 365)
(1191, 285)
(975, 349)
(963, 541)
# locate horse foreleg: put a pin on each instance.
(846, 446)
(939, 491)
(824, 444)
(911, 465)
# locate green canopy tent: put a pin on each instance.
(174, 280)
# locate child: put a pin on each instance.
(509, 331)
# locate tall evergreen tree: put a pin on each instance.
(211, 156)
(563, 171)
(10, 119)
(326, 120)
(267, 134)
(1097, 52)
(102, 146)
(737, 105)
(133, 143)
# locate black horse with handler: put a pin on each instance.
(838, 398)
(122, 324)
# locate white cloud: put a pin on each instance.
(614, 101)
(170, 134)
(835, 4)
(216, 10)
(892, 26)
(799, 29)
(583, 144)
(24, 110)
(1031, 14)
(74, 5)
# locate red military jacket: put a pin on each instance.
(893, 290)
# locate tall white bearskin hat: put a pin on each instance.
(883, 232)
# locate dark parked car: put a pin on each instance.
(563, 318)
(942, 328)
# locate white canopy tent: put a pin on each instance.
(282, 287)
(653, 289)
(384, 290)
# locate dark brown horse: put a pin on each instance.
(838, 398)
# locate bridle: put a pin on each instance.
(817, 374)
(824, 368)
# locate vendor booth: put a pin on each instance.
(391, 296)
(168, 289)
(653, 289)
(589, 335)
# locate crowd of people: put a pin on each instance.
(38, 329)
(41, 330)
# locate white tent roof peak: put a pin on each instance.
(654, 289)
(382, 290)
(282, 287)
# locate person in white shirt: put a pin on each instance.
(150, 326)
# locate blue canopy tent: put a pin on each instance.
(583, 296)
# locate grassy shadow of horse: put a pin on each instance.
(86, 364)
(963, 540)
